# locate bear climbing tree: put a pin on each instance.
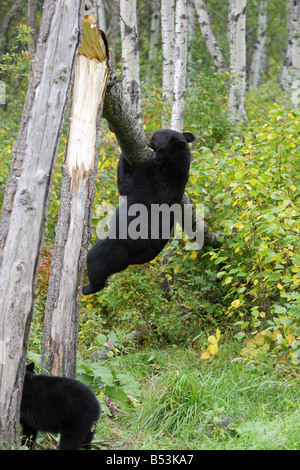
(156, 183)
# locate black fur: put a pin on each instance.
(159, 181)
(59, 405)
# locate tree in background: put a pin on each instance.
(167, 34)
(290, 79)
(130, 55)
(259, 53)
(236, 102)
(180, 65)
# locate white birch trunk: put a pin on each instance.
(59, 345)
(237, 61)
(130, 55)
(27, 194)
(190, 37)
(208, 35)
(260, 45)
(101, 15)
(180, 64)
(154, 36)
(290, 79)
(168, 55)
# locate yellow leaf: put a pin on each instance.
(255, 282)
(293, 187)
(213, 349)
(290, 339)
(176, 269)
(205, 355)
(194, 254)
(235, 303)
(212, 340)
(279, 286)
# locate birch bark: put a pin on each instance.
(237, 61)
(208, 35)
(290, 80)
(59, 344)
(154, 36)
(260, 45)
(179, 86)
(101, 15)
(26, 197)
(168, 51)
(130, 55)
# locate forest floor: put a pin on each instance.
(226, 403)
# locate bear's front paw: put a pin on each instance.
(87, 290)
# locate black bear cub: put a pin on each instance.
(159, 182)
(59, 405)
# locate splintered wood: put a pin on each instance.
(91, 73)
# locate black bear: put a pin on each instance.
(59, 405)
(151, 189)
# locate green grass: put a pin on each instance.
(182, 394)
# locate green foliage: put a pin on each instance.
(252, 190)
(120, 387)
(14, 67)
(206, 108)
(15, 63)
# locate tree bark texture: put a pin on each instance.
(79, 174)
(179, 86)
(208, 35)
(26, 197)
(260, 45)
(123, 123)
(153, 37)
(130, 56)
(290, 80)
(31, 21)
(168, 51)
(237, 61)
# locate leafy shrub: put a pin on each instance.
(252, 191)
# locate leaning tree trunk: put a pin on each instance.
(179, 86)
(59, 345)
(208, 35)
(27, 194)
(168, 45)
(236, 100)
(130, 55)
(290, 80)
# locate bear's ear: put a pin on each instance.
(30, 367)
(189, 137)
